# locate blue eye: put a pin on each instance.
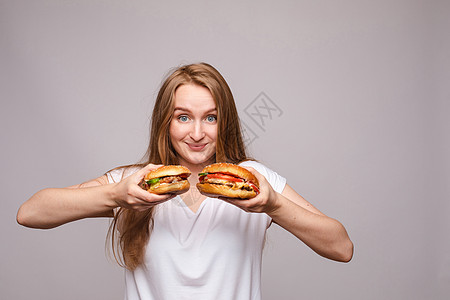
(183, 118)
(211, 118)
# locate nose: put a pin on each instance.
(197, 133)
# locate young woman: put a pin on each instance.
(191, 246)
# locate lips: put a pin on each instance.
(196, 147)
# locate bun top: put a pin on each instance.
(170, 170)
(231, 169)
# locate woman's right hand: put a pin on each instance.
(128, 194)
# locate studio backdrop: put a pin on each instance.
(346, 99)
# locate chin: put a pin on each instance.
(200, 161)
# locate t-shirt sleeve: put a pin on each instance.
(116, 175)
(277, 181)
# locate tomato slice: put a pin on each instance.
(224, 177)
(254, 187)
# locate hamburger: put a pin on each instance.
(228, 180)
(167, 180)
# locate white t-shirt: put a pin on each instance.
(214, 253)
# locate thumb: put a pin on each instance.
(254, 172)
(145, 170)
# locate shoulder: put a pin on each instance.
(277, 181)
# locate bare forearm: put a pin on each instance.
(326, 236)
(52, 207)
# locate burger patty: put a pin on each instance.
(232, 184)
(171, 179)
(166, 179)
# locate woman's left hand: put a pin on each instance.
(264, 202)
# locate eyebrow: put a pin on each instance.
(185, 109)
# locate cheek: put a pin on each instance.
(175, 131)
(212, 133)
(172, 131)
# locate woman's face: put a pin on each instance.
(193, 129)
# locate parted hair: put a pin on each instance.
(130, 229)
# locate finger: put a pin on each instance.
(151, 197)
(139, 175)
(166, 198)
(241, 203)
(248, 168)
(237, 200)
(251, 169)
(152, 166)
(147, 169)
(230, 200)
(258, 175)
(141, 205)
(171, 196)
(250, 205)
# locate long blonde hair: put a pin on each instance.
(133, 227)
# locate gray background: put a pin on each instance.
(363, 135)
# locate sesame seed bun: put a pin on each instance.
(173, 180)
(170, 170)
(245, 187)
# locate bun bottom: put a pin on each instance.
(216, 190)
(171, 188)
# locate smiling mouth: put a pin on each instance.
(196, 147)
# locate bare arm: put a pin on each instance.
(53, 207)
(324, 235)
